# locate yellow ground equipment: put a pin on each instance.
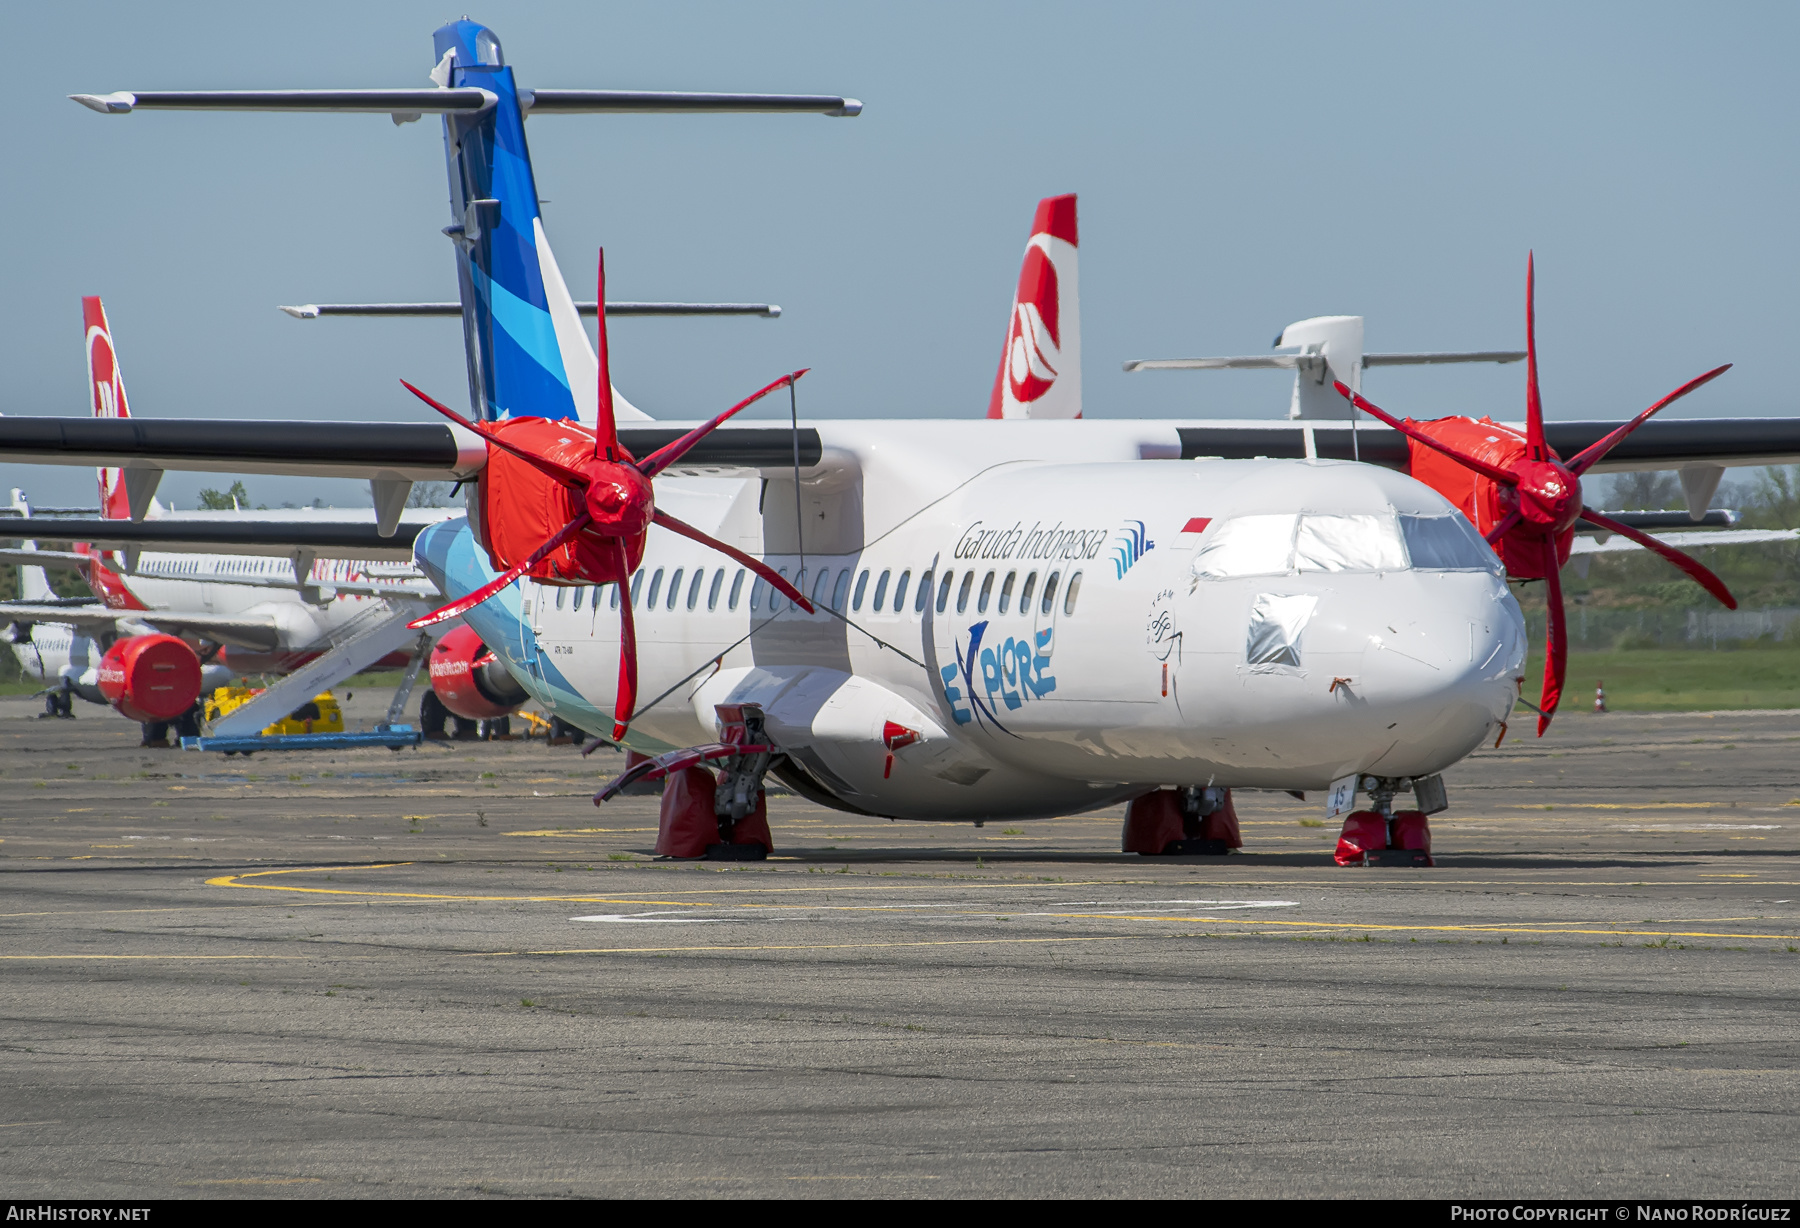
(321, 714)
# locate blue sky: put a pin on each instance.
(1239, 167)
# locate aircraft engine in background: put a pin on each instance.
(150, 678)
(470, 681)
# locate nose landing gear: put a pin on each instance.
(1384, 836)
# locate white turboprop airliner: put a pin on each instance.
(950, 620)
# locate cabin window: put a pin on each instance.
(1026, 592)
(637, 586)
(987, 591)
(674, 588)
(924, 593)
(655, 588)
(757, 590)
(712, 594)
(737, 588)
(559, 597)
(575, 600)
(944, 590)
(820, 587)
(694, 588)
(775, 593)
(1049, 602)
(1006, 591)
(1446, 543)
(613, 601)
(962, 594)
(1074, 592)
(881, 585)
(899, 591)
(862, 583)
(841, 589)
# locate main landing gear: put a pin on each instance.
(59, 704)
(722, 819)
(1384, 836)
(156, 733)
(1176, 822)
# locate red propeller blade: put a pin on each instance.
(1699, 572)
(1534, 404)
(1595, 453)
(762, 569)
(560, 472)
(1556, 640)
(1505, 526)
(625, 701)
(463, 605)
(668, 454)
(606, 426)
(1479, 466)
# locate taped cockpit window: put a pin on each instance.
(1348, 543)
(1273, 637)
(1247, 546)
(1446, 543)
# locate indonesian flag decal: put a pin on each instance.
(106, 390)
(1040, 370)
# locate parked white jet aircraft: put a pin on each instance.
(246, 613)
(1014, 618)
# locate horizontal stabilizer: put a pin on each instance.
(412, 103)
(313, 311)
(374, 102)
(1688, 541)
(1249, 362)
(589, 102)
(1717, 518)
(1436, 356)
(1254, 362)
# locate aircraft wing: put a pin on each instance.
(1661, 443)
(56, 560)
(88, 617)
(412, 451)
(257, 634)
(246, 535)
(377, 451)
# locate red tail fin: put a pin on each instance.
(1040, 369)
(106, 391)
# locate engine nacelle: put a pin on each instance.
(470, 681)
(1485, 502)
(150, 677)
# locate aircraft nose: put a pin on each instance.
(1441, 666)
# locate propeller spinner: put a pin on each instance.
(1541, 498)
(607, 499)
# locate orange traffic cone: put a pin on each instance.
(1599, 696)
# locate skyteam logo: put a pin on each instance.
(1131, 544)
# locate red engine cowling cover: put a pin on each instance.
(1480, 499)
(455, 661)
(522, 506)
(150, 677)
